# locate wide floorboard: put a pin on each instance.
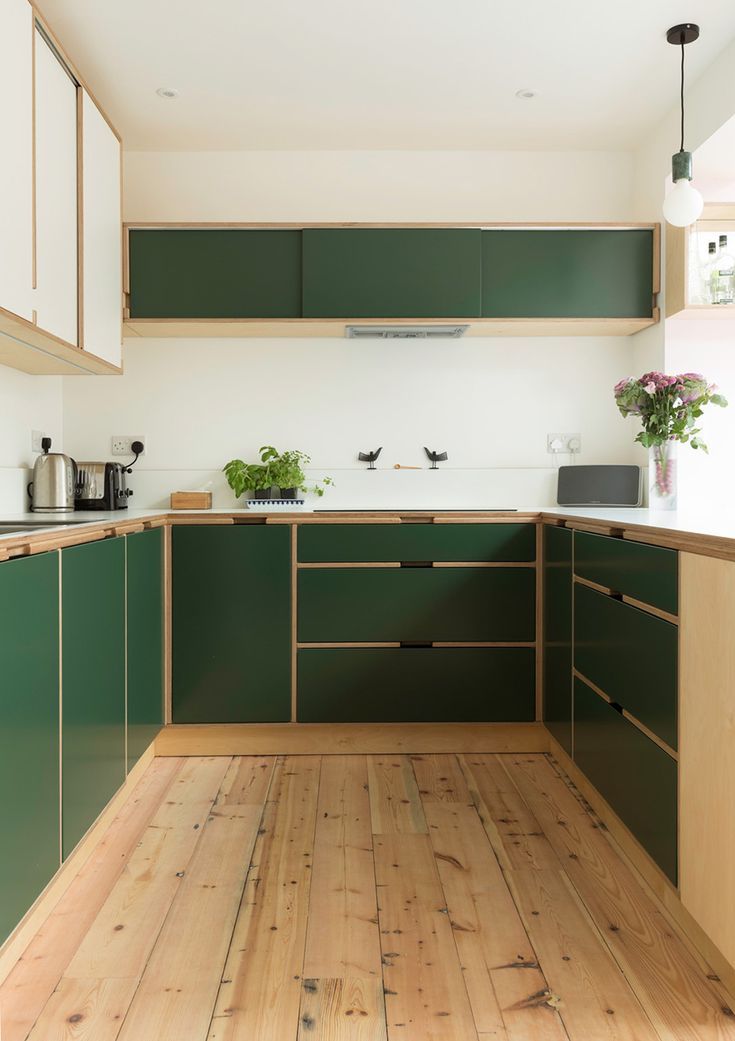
(359, 898)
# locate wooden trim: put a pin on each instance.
(27, 347)
(34, 187)
(627, 715)
(321, 565)
(167, 625)
(80, 217)
(294, 622)
(349, 738)
(33, 920)
(483, 225)
(326, 644)
(539, 642)
(485, 563)
(333, 565)
(430, 644)
(593, 585)
(649, 609)
(656, 278)
(60, 573)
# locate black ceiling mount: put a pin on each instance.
(687, 32)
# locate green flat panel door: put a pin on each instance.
(362, 605)
(214, 273)
(647, 573)
(438, 684)
(365, 543)
(93, 682)
(29, 732)
(557, 659)
(392, 272)
(636, 777)
(567, 273)
(630, 655)
(145, 640)
(231, 624)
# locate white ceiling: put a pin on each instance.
(378, 74)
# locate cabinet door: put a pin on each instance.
(408, 684)
(16, 168)
(29, 732)
(144, 552)
(557, 659)
(392, 272)
(646, 573)
(93, 682)
(101, 236)
(363, 543)
(214, 273)
(567, 273)
(448, 604)
(231, 607)
(56, 195)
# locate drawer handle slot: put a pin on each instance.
(417, 563)
(416, 643)
(618, 707)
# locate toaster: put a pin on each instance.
(102, 486)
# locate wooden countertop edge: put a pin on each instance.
(30, 543)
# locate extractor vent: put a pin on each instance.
(405, 332)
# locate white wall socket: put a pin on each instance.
(121, 443)
(569, 444)
(36, 437)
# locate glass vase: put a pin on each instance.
(662, 476)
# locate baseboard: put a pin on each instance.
(36, 915)
(656, 882)
(348, 738)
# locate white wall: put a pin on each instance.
(489, 402)
(26, 403)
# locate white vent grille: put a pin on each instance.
(405, 332)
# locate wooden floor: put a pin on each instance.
(369, 898)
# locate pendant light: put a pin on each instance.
(684, 204)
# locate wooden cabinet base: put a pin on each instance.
(26, 347)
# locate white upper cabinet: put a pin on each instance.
(101, 236)
(16, 165)
(56, 302)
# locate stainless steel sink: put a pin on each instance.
(8, 527)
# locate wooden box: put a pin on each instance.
(191, 500)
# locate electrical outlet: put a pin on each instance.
(568, 444)
(121, 443)
(36, 437)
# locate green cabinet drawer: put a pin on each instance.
(367, 543)
(392, 272)
(231, 604)
(354, 605)
(557, 659)
(438, 684)
(145, 603)
(214, 273)
(636, 777)
(567, 273)
(647, 573)
(29, 732)
(93, 682)
(630, 655)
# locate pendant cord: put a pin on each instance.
(681, 95)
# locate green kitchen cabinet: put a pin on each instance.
(231, 604)
(93, 682)
(214, 273)
(392, 272)
(557, 639)
(632, 656)
(375, 604)
(408, 684)
(632, 773)
(646, 573)
(29, 732)
(369, 543)
(145, 609)
(567, 273)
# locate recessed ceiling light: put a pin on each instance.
(526, 94)
(167, 92)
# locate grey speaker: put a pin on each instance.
(599, 486)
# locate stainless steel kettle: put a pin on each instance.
(54, 481)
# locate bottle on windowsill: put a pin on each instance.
(706, 275)
(722, 280)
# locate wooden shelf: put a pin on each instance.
(26, 347)
(716, 218)
(335, 327)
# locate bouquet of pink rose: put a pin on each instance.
(668, 406)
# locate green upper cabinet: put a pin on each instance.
(567, 273)
(231, 602)
(392, 272)
(214, 273)
(144, 552)
(93, 682)
(557, 657)
(29, 732)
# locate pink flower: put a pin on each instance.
(650, 387)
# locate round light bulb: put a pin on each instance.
(683, 205)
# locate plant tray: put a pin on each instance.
(285, 505)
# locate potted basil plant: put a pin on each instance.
(277, 470)
(248, 477)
